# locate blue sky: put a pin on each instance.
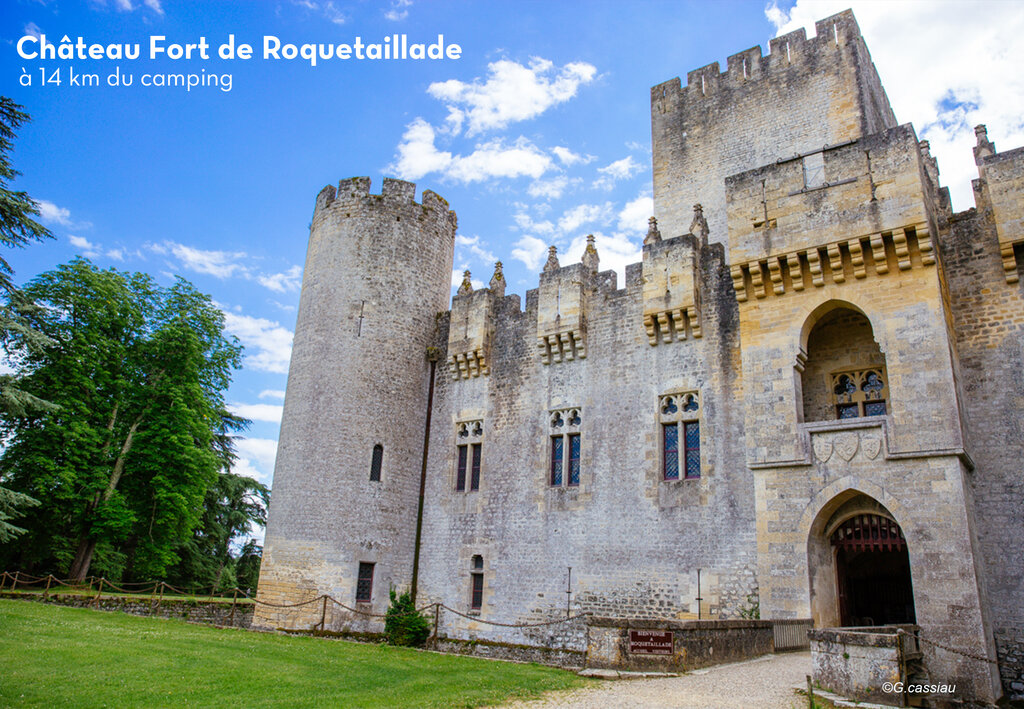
(538, 134)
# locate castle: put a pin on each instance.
(810, 390)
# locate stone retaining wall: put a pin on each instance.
(209, 612)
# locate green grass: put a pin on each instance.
(71, 657)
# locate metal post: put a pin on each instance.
(699, 599)
(437, 613)
(568, 592)
(323, 614)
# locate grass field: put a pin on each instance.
(69, 657)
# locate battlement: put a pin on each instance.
(785, 53)
(356, 191)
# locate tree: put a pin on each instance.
(232, 506)
(17, 228)
(123, 466)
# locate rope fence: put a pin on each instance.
(155, 590)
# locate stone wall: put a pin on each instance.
(695, 643)
(208, 612)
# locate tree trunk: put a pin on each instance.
(86, 545)
(83, 558)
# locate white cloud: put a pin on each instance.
(271, 413)
(569, 158)
(268, 344)
(256, 457)
(154, 5)
(618, 170)
(52, 214)
(963, 71)
(550, 189)
(116, 254)
(333, 14)
(85, 247)
(633, 217)
(418, 156)
(272, 394)
(398, 10)
(124, 5)
(289, 281)
(220, 264)
(512, 92)
(525, 222)
(472, 244)
(32, 29)
(531, 251)
(582, 214)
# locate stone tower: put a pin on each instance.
(346, 481)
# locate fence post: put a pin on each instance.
(323, 614)
(160, 601)
(46, 592)
(810, 693)
(234, 599)
(96, 601)
(14, 586)
(437, 613)
(3, 580)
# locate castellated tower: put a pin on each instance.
(346, 482)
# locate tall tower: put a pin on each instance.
(346, 483)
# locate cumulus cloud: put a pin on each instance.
(33, 30)
(512, 92)
(256, 457)
(473, 245)
(271, 413)
(569, 158)
(220, 264)
(289, 281)
(616, 251)
(50, 213)
(268, 344)
(582, 214)
(85, 247)
(398, 10)
(633, 217)
(618, 170)
(327, 9)
(418, 155)
(550, 189)
(525, 222)
(272, 394)
(945, 95)
(531, 251)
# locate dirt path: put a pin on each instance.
(764, 683)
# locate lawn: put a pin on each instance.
(54, 656)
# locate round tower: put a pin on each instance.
(342, 518)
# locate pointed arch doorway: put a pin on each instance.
(859, 565)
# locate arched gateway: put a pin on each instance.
(859, 565)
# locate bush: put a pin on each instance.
(403, 625)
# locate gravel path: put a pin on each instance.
(764, 683)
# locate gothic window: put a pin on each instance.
(375, 462)
(364, 583)
(680, 435)
(469, 451)
(565, 446)
(476, 593)
(860, 393)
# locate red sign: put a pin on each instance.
(650, 642)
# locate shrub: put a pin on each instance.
(403, 624)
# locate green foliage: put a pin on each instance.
(17, 228)
(71, 657)
(124, 464)
(403, 624)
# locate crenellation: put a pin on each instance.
(827, 350)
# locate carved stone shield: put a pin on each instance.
(822, 448)
(846, 445)
(871, 447)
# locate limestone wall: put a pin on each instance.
(803, 95)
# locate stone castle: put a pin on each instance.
(808, 395)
